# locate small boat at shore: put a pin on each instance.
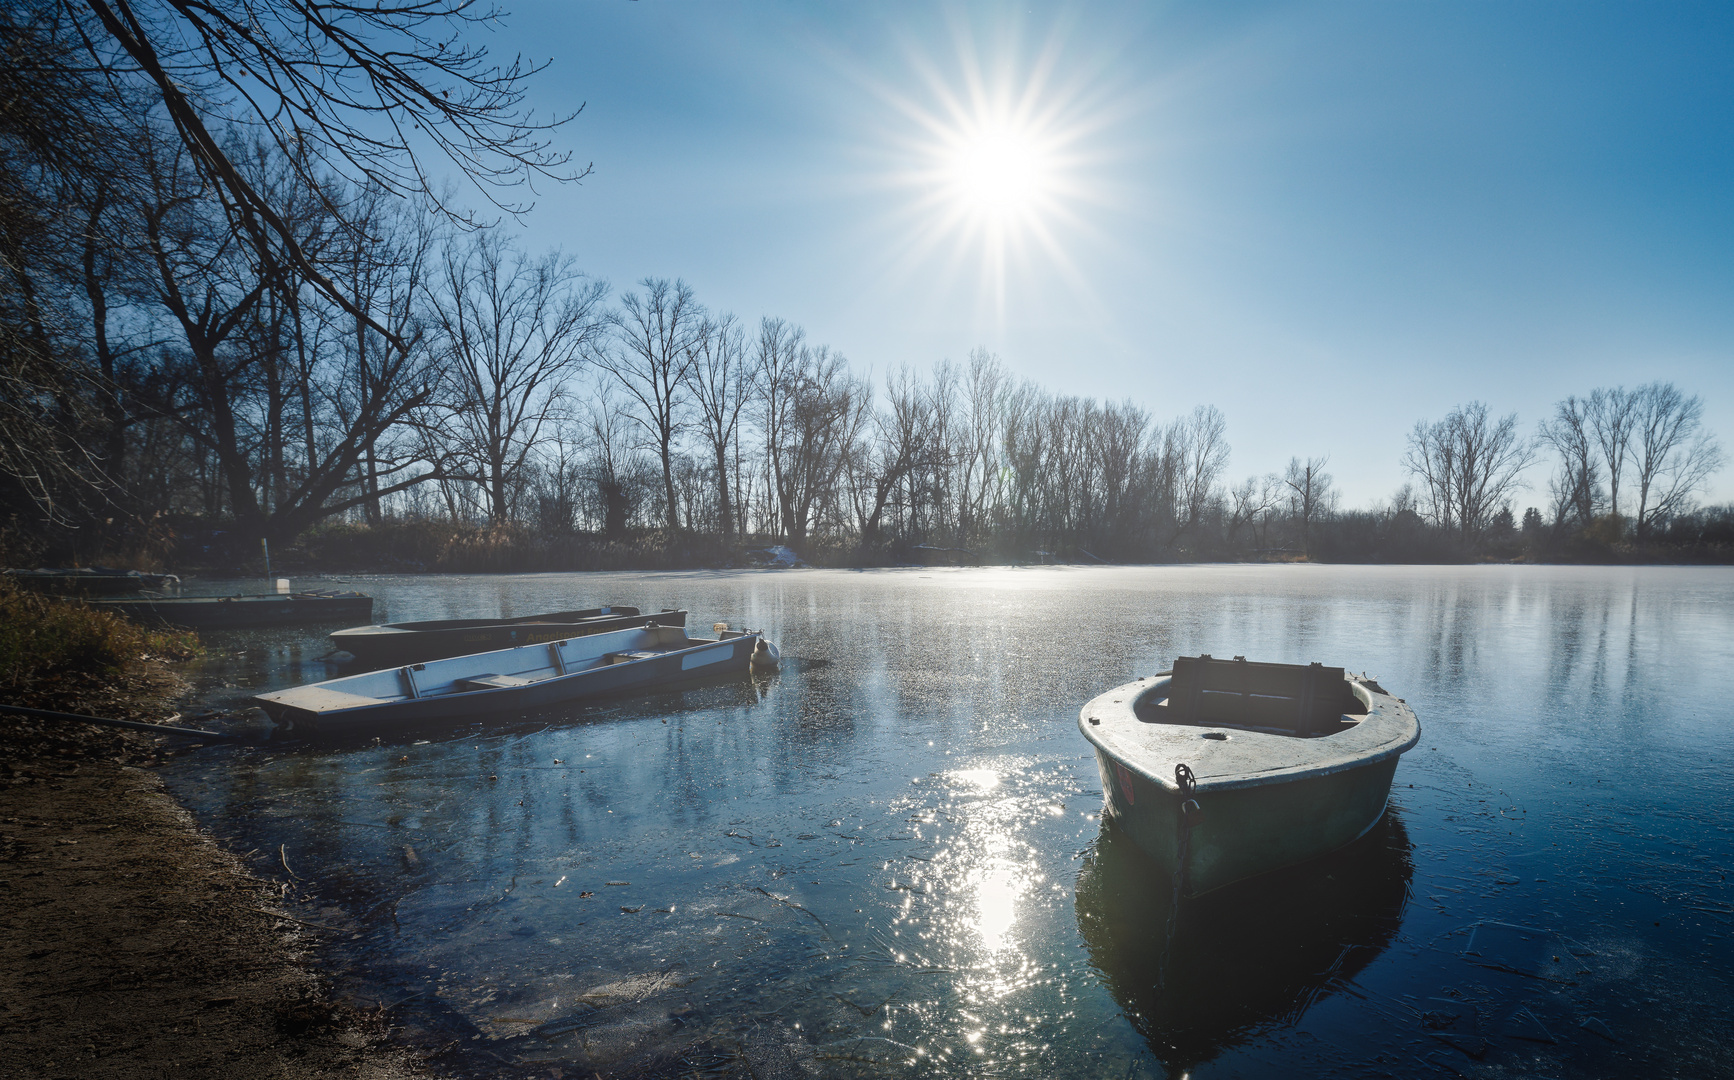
(413, 642)
(523, 678)
(235, 612)
(1226, 769)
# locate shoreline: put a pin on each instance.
(296, 574)
(254, 580)
(131, 943)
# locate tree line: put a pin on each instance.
(216, 316)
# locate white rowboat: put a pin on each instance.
(521, 678)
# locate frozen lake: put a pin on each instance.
(891, 850)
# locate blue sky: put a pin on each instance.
(1328, 220)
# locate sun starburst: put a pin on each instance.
(995, 152)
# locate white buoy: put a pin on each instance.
(765, 656)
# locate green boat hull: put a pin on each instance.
(1244, 832)
(1223, 770)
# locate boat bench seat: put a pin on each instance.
(627, 657)
(318, 699)
(1303, 699)
(491, 682)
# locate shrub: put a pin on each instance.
(45, 635)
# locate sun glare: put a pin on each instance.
(997, 152)
(998, 171)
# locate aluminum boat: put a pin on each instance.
(436, 639)
(524, 678)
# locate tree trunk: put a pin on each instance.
(497, 508)
(725, 512)
(614, 509)
(113, 412)
(668, 481)
(370, 480)
(231, 459)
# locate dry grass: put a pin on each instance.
(43, 636)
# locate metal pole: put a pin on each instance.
(160, 729)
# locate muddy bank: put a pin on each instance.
(130, 944)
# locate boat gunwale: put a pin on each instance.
(553, 679)
(434, 626)
(273, 701)
(300, 596)
(1383, 710)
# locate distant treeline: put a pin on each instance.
(364, 378)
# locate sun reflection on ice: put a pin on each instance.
(998, 888)
(992, 872)
(980, 779)
(969, 906)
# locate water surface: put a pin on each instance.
(891, 851)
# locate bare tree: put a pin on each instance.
(298, 411)
(559, 479)
(513, 331)
(776, 374)
(903, 445)
(333, 400)
(1250, 503)
(1613, 416)
(1470, 465)
(721, 387)
(336, 86)
(823, 411)
(1070, 468)
(206, 286)
(1122, 433)
(1573, 433)
(978, 463)
(1672, 454)
(386, 265)
(1309, 495)
(1203, 454)
(66, 179)
(1025, 453)
(931, 482)
(612, 466)
(652, 354)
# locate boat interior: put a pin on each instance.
(502, 669)
(1305, 701)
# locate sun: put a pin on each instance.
(997, 158)
(998, 171)
(997, 187)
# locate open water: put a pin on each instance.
(888, 858)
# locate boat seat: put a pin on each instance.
(491, 682)
(318, 699)
(627, 657)
(1291, 699)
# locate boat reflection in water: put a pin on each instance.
(1247, 957)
